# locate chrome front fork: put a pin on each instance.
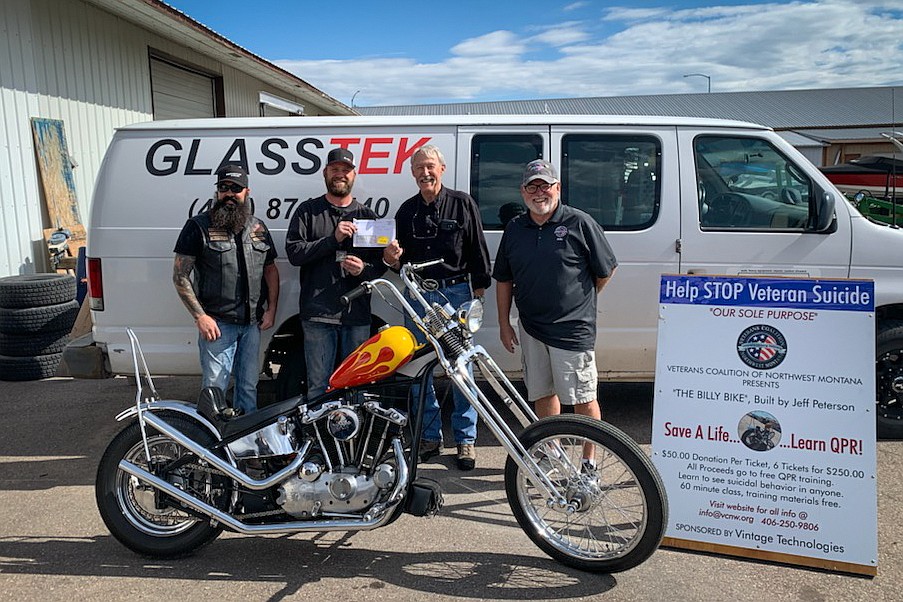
(459, 375)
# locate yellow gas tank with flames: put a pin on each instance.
(375, 359)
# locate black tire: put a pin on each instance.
(27, 345)
(621, 507)
(128, 507)
(755, 443)
(29, 368)
(48, 318)
(889, 379)
(36, 290)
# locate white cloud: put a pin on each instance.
(562, 34)
(497, 42)
(575, 6)
(792, 45)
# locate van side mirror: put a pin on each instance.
(821, 212)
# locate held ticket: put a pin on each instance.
(374, 232)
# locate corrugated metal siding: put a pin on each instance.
(18, 217)
(786, 109)
(74, 62)
(242, 94)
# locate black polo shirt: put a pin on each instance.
(448, 228)
(554, 268)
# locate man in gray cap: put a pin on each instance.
(319, 241)
(553, 248)
(235, 289)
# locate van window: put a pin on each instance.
(613, 178)
(745, 183)
(496, 166)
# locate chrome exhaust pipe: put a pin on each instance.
(205, 454)
(378, 515)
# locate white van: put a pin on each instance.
(675, 195)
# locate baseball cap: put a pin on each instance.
(233, 173)
(540, 170)
(341, 155)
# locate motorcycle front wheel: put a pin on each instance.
(144, 519)
(616, 508)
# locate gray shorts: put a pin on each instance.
(548, 371)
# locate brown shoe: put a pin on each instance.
(428, 449)
(467, 456)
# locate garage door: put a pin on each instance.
(179, 93)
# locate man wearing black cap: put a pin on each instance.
(319, 240)
(235, 288)
(553, 261)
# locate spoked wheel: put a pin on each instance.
(144, 519)
(614, 512)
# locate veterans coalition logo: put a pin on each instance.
(762, 347)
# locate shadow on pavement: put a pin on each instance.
(297, 561)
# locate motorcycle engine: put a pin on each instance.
(353, 466)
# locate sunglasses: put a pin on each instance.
(534, 188)
(229, 187)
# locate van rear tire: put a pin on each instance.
(889, 379)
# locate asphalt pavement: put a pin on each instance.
(54, 546)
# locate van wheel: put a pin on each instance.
(889, 379)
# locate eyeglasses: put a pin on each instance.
(534, 188)
(229, 187)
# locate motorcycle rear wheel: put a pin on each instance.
(132, 509)
(621, 506)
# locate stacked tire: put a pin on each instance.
(37, 312)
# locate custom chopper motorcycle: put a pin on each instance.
(180, 473)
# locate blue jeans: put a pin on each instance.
(321, 342)
(464, 416)
(234, 353)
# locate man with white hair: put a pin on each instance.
(440, 223)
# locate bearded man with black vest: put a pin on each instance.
(235, 289)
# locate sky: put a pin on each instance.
(385, 52)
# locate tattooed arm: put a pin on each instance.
(181, 272)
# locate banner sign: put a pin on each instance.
(764, 418)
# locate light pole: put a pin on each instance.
(356, 92)
(707, 78)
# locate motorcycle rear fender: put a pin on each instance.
(179, 407)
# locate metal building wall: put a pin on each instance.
(69, 60)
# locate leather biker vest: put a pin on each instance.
(229, 278)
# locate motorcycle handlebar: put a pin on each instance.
(354, 293)
(416, 267)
